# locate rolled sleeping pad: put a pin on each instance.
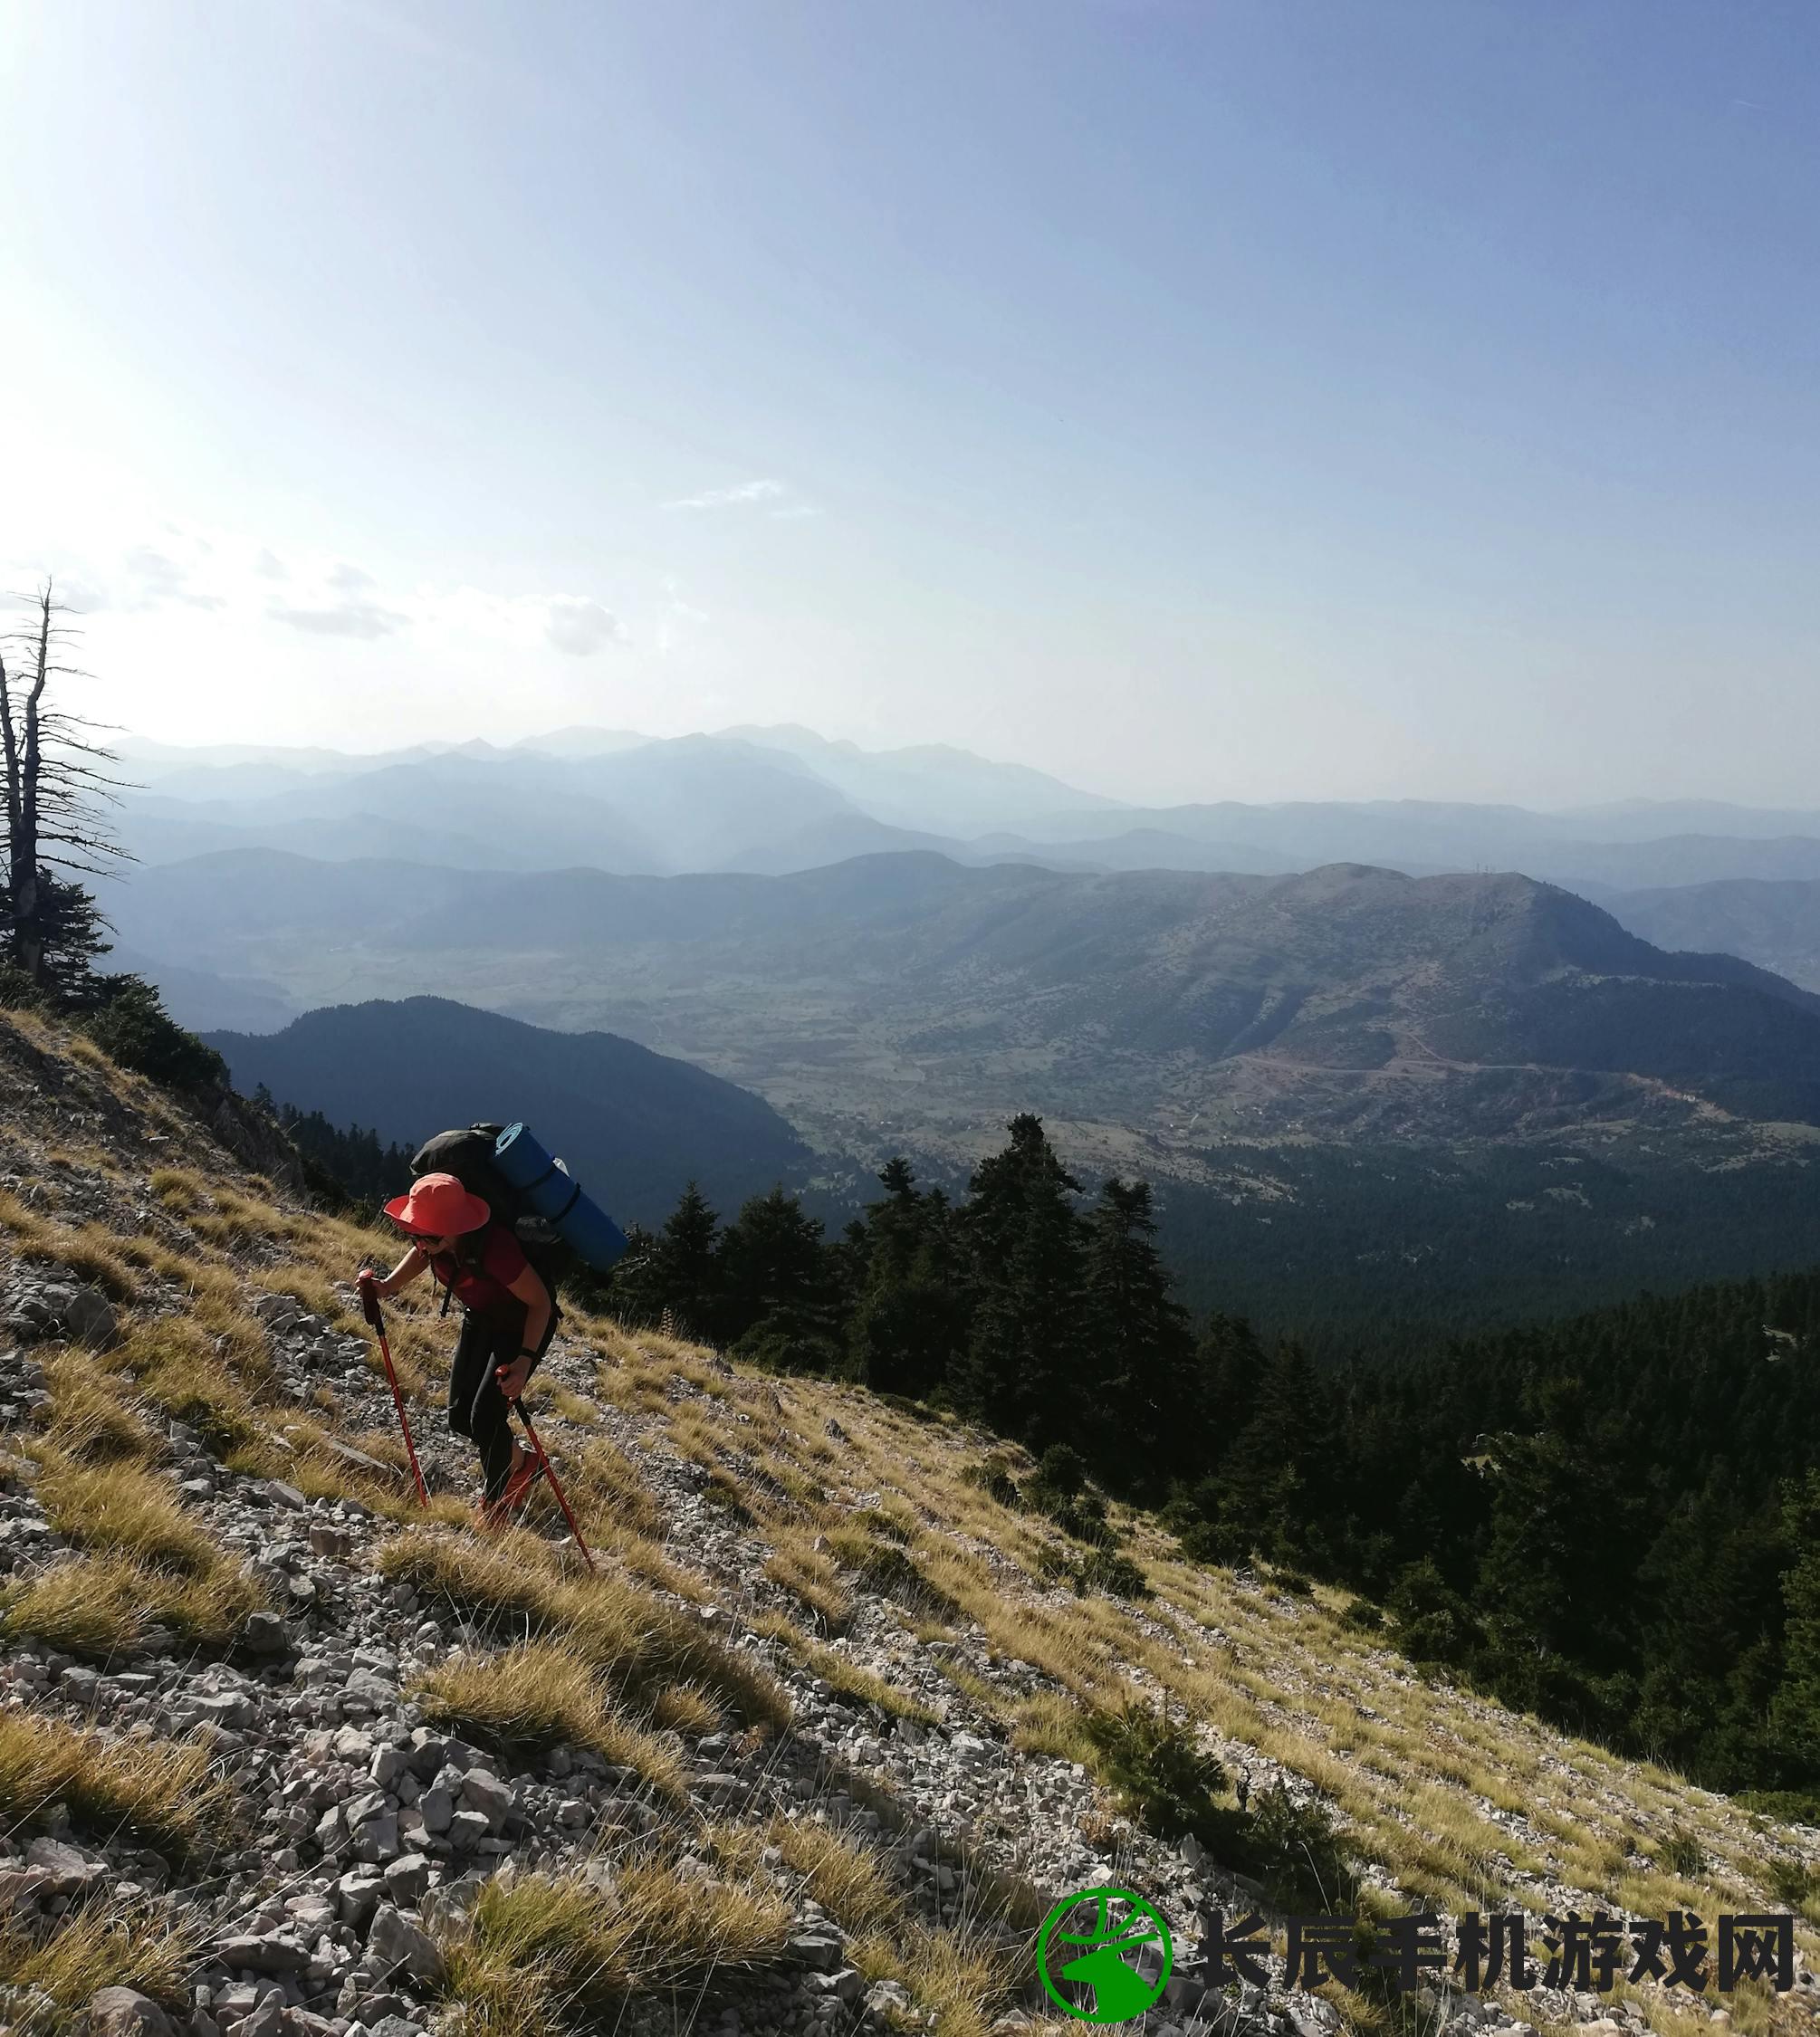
(579, 1221)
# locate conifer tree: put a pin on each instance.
(777, 1280)
(1025, 1369)
(1140, 1348)
(909, 1320)
(675, 1270)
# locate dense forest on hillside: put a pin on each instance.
(1393, 1249)
(352, 1161)
(1608, 1519)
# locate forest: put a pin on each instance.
(1608, 1519)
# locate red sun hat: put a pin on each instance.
(438, 1206)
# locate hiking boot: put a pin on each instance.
(525, 1474)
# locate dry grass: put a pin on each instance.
(961, 1980)
(112, 1946)
(553, 1952)
(101, 1607)
(90, 1420)
(853, 1680)
(131, 1512)
(807, 1574)
(685, 1708)
(838, 1868)
(161, 1795)
(637, 1643)
(89, 1251)
(604, 1481)
(96, 1610)
(537, 1696)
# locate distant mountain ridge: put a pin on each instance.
(1339, 998)
(636, 1126)
(782, 799)
(1774, 924)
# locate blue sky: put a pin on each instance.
(1257, 400)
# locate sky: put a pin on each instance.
(1195, 399)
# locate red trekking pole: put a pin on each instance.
(369, 1308)
(545, 1466)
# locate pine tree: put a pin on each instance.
(778, 1284)
(677, 1272)
(1141, 1350)
(1025, 1370)
(909, 1320)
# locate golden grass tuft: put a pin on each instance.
(853, 1680)
(606, 1481)
(88, 1251)
(683, 1707)
(162, 1795)
(537, 1696)
(99, 1607)
(839, 1869)
(148, 1949)
(93, 1610)
(134, 1513)
(638, 1644)
(807, 1574)
(550, 1953)
(90, 1420)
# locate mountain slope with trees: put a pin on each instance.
(633, 1124)
(866, 1688)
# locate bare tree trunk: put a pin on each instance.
(49, 794)
(28, 936)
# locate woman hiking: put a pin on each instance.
(508, 1319)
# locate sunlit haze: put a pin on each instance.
(1251, 400)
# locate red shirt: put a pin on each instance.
(483, 1281)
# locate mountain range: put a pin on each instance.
(774, 800)
(1162, 1004)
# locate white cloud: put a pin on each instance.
(364, 619)
(581, 627)
(321, 594)
(733, 498)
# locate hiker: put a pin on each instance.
(509, 1316)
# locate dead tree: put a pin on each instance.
(57, 794)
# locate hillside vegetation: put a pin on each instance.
(846, 1709)
(410, 1068)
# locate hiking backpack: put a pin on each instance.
(467, 1154)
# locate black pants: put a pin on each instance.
(477, 1408)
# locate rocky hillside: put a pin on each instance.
(852, 1699)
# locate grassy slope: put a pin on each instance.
(1452, 1802)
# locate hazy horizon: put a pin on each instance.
(1250, 403)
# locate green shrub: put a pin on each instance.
(1105, 1570)
(1788, 1807)
(994, 1475)
(1683, 1855)
(125, 1017)
(1296, 1851)
(1162, 1775)
(1214, 1541)
(1061, 1470)
(18, 992)
(1363, 1616)
(1430, 1621)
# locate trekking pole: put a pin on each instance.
(549, 1471)
(369, 1308)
